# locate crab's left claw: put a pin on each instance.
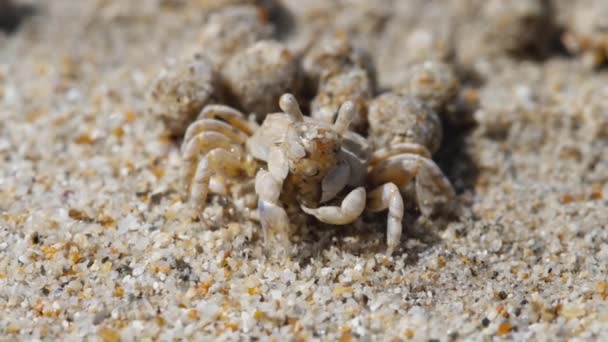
(272, 216)
(335, 180)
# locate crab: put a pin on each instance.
(324, 169)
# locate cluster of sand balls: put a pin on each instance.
(235, 61)
(245, 68)
(339, 72)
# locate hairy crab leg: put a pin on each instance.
(351, 208)
(388, 196)
(217, 162)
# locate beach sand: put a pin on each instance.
(98, 241)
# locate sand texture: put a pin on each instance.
(99, 242)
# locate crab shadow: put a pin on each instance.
(456, 160)
(364, 239)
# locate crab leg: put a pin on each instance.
(201, 144)
(272, 215)
(229, 115)
(431, 188)
(351, 208)
(212, 125)
(384, 197)
(217, 162)
(431, 184)
(402, 148)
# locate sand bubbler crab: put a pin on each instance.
(323, 168)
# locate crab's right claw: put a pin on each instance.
(351, 208)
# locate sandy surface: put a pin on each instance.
(97, 240)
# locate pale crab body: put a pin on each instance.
(310, 162)
(303, 161)
(316, 159)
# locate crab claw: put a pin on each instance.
(335, 181)
(351, 208)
